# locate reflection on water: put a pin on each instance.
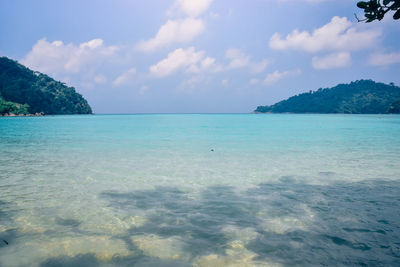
(277, 190)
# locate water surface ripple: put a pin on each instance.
(200, 190)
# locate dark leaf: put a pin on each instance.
(386, 2)
(370, 16)
(362, 4)
(397, 14)
(374, 5)
(396, 5)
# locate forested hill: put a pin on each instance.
(25, 91)
(359, 97)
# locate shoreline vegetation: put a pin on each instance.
(358, 97)
(22, 115)
(11, 109)
(24, 92)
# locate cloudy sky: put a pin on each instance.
(168, 56)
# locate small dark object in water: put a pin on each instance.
(212, 150)
(5, 242)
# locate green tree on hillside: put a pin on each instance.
(7, 107)
(41, 93)
(359, 97)
(395, 107)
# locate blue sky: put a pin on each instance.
(160, 56)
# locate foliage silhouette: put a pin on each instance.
(377, 9)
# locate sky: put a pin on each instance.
(198, 56)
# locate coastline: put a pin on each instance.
(38, 114)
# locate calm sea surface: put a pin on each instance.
(200, 190)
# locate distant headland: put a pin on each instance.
(359, 97)
(24, 92)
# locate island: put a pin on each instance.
(358, 97)
(27, 92)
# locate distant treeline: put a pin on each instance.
(359, 97)
(25, 91)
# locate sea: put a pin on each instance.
(200, 190)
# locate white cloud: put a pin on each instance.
(56, 58)
(100, 79)
(206, 64)
(125, 77)
(191, 8)
(78, 65)
(331, 61)
(254, 81)
(178, 59)
(188, 59)
(384, 59)
(188, 85)
(214, 15)
(143, 89)
(173, 31)
(258, 67)
(277, 76)
(338, 35)
(237, 58)
(178, 30)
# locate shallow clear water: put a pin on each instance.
(147, 190)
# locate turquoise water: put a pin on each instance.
(200, 190)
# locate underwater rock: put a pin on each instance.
(244, 235)
(163, 248)
(235, 257)
(103, 248)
